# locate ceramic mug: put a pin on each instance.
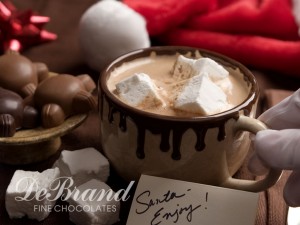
(204, 149)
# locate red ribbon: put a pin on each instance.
(21, 29)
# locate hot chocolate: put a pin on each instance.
(162, 139)
(160, 69)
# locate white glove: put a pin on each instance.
(280, 148)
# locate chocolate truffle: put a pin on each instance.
(61, 96)
(14, 114)
(19, 74)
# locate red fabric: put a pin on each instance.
(254, 51)
(267, 18)
(259, 33)
(162, 15)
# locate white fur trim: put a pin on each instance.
(296, 12)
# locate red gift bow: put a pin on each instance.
(21, 29)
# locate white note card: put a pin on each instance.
(161, 201)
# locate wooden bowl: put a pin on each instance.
(34, 145)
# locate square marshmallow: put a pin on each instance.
(185, 68)
(139, 90)
(33, 185)
(201, 95)
(214, 70)
(83, 165)
(95, 211)
(216, 73)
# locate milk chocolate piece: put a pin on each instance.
(14, 114)
(42, 71)
(63, 95)
(52, 115)
(19, 74)
(87, 81)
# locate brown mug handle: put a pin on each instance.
(245, 123)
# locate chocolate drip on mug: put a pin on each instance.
(222, 133)
(101, 104)
(164, 143)
(247, 112)
(165, 134)
(177, 137)
(111, 113)
(122, 124)
(140, 152)
(200, 133)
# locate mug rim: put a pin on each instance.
(144, 52)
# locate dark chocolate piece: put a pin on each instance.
(12, 104)
(14, 114)
(30, 117)
(7, 125)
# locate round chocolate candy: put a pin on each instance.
(63, 95)
(19, 74)
(14, 114)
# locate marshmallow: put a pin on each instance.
(96, 211)
(34, 185)
(214, 70)
(83, 165)
(139, 90)
(225, 84)
(201, 95)
(185, 68)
